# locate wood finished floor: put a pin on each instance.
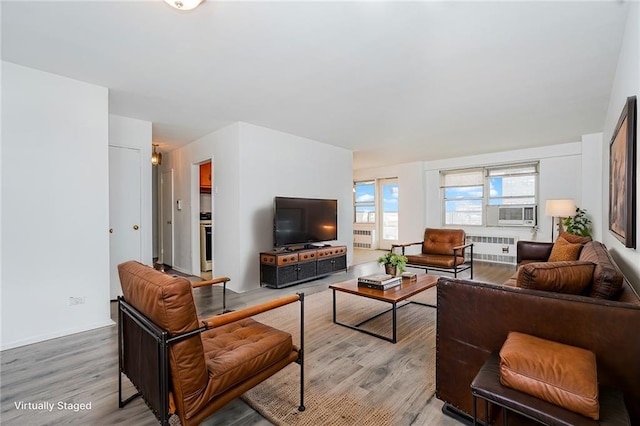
(82, 368)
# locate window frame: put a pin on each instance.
(488, 173)
(479, 171)
(371, 203)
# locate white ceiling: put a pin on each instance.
(393, 81)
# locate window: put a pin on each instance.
(463, 194)
(512, 184)
(364, 202)
(389, 211)
(466, 192)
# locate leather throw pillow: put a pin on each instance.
(555, 372)
(560, 277)
(574, 239)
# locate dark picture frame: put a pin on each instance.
(622, 176)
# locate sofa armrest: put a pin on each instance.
(404, 245)
(536, 251)
(490, 311)
(218, 320)
(463, 247)
(220, 280)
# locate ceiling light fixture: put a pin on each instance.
(184, 4)
(156, 157)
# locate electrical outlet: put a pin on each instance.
(76, 301)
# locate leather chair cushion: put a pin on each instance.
(442, 241)
(237, 351)
(436, 260)
(564, 250)
(574, 239)
(557, 373)
(164, 299)
(607, 278)
(560, 277)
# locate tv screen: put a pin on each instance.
(304, 220)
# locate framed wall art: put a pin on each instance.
(622, 176)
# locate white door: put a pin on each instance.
(388, 208)
(166, 217)
(125, 198)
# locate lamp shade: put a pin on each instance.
(560, 208)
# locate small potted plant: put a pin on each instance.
(393, 263)
(579, 224)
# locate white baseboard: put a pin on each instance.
(61, 333)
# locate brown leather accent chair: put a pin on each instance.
(179, 362)
(442, 250)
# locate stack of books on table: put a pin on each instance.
(379, 281)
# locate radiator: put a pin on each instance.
(363, 238)
(494, 249)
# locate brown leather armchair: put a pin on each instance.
(442, 250)
(187, 366)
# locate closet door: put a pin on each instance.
(125, 201)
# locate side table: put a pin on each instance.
(486, 385)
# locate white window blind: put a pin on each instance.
(462, 178)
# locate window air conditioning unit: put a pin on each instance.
(512, 215)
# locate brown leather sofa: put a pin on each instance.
(474, 319)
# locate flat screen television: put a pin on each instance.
(304, 220)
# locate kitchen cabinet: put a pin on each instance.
(205, 178)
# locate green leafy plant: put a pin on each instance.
(394, 259)
(579, 224)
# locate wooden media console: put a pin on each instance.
(284, 267)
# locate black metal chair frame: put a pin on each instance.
(158, 356)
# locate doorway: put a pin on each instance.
(388, 217)
(376, 214)
(166, 218)
(205, 207)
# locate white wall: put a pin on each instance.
(561, 172)
(591, 182)
(131, 133)
(566, 171)
(251, 165)
(55, 206)
(223, 147)
(626, 83)
(155, 213)
(280, 164)
(410, 196)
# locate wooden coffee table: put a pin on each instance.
(395, 295)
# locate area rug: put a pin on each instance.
(351, 377)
